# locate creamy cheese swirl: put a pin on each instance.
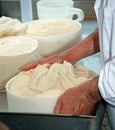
(44, 81)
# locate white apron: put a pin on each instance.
(105, 12)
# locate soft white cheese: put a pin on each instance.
(9, 26)
(49, 27)
(16, 52)
(17, 45)
(44, 82)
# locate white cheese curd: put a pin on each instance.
(50, 27)
(9, 26)
(47, 82)
(17, 45)
(16, 52)
(54, 35)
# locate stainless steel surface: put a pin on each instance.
(3, 102)
(46, 122)
(25, 121)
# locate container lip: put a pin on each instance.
(8, 59)
(49, 114)
(53, 36)
(56, 35)
(35, 99)
(24, 97)
(15, 57)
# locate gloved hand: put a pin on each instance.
(81, 100)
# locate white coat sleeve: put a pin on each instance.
(107, 82)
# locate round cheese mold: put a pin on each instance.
(15, 52)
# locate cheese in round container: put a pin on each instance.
(16, 52)
(37, 90)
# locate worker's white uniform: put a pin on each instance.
(105, 11)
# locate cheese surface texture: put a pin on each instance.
(16, 52)
(9, 26)
(44, 81)
(50, 27)
(17, 45)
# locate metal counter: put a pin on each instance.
(25, 121)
